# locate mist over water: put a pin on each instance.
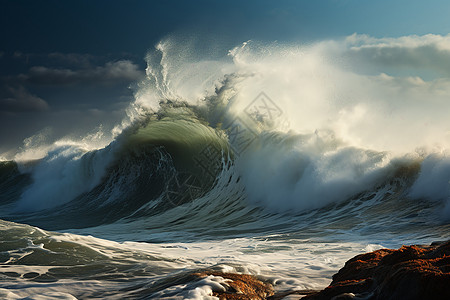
(285, 159)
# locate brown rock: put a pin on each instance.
(241, 286)
(411, 272)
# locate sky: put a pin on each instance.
(70, 66)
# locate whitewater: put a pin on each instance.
(281, 161)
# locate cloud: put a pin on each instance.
(72, 59)
(111, 72)
(21, 100)
(75, 59)
(429, 52)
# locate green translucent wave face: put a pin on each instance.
(12, 182)
(193, 146)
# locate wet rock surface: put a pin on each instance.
(411, 272)
(241, 286)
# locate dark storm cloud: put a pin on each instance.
(75, 59)
(111, 72)
(21, 100)
(65, 59)
(67, 81)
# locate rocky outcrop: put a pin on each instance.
(241, 286)
(411, 272)
(244, 286)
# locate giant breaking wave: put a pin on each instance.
(251, 139)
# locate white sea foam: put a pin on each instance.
(8, 295)
(64, 173)
(307, 172)
(288, 265)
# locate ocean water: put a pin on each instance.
(278, 161)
